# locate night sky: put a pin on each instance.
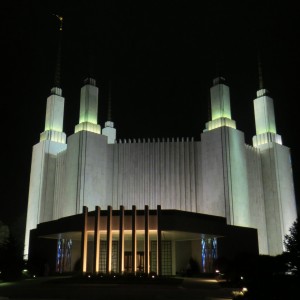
(160, 57)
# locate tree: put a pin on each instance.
(11, 259)
(292, 245)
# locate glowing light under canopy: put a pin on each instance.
(88, 119)
(220, 123)
(220, 114)
(53, 135)
(87, 126)
(266, 138)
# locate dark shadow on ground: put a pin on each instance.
(276, 287)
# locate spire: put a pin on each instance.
(55, 103)
(90, 54)
(260, 77)
(109, 129)
(264, 114)
(58, 58)
(109, 102)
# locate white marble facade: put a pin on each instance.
(219, 174)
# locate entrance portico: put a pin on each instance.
(139, 241)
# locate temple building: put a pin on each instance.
(112, 205)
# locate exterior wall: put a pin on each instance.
(213, 173)
(42, 185)
(216, 176)
(60, 176)
(238, 179)
(286, 184)
(85, 174)
(174, 255)
(279, 195)
(154, 173)
(197, 252)
(199, 177)
(224, 173)
(183, 254)
(256, 196)
(110, 169)
(76, 255)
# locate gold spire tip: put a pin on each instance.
(60, 18)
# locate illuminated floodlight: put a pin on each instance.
(24, 272)
(241, 292)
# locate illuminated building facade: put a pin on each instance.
(218, 176)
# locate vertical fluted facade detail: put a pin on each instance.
(155, 173)
(59, 184)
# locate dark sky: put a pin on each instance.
(161, 58)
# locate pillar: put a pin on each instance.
(109, 240)
(159, 262)
(84, 239)
(121, 240)
(146, 240)
(133, 218)
(96, 240)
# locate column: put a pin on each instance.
(84, 238)
(146, 240)
(159, 263)
(133, 218)
(109, 239)
(121, 241)
(96, 240)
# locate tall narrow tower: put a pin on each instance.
(86, 155)
(223, 160)
(43, 164)
(88, 116)
(280, 204)
(109, 129)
